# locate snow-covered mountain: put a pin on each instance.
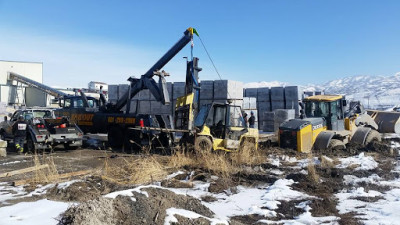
(375, 92)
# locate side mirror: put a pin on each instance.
(10, 115)
(344, 103)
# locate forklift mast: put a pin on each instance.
(146, 81)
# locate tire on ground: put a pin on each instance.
(202, 143)
(373, 135)
(336, 144)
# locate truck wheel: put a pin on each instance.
(115, 137)
(335, 144)
(203, 144)
(373, 135)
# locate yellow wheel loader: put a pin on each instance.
(325, 123)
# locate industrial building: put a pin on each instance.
(14, 93)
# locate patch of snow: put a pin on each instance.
(276, 172)
(281, 191)
(42, 212)
(364, 162)
(13, 162)
(383, 211)
(305, 218)
(66, 184)
(171, 212)
(353, 180)
(303, 163)
(275, 162)
(8, 192)
(174, 174)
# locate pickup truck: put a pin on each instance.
(45, 131)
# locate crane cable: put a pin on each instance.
(215, 68)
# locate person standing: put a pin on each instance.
(19, 132)
(245, 119)
(252, 120)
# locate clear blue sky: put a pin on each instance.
(298, 42)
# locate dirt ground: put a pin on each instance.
(96, 209)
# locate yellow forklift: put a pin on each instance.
(326, 124)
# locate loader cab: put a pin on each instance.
(329, 107)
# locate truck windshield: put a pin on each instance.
(317, 109)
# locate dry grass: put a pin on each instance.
(135, 171)
(247, 155)
(44, 176)
(312, 173)
(326, 162)
(220, 163)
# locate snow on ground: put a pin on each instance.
(383, 211)
(364, 162)
(386, 210)
(12, 162)
(261, 200)
(171, 212)
(42, 212)
(8, 192)
(305, 218)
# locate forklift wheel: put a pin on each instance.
(203, 144)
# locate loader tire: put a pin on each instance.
(202, 144)
(335, 144)
(373, 135)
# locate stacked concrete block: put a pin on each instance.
(292, 96)
(309, 93)
(263, 94)
(228, 89)
(249, 103)
(178, 90)
(275, 118)
(133, 106)
(143, 107)
(277, 98)
(113, 92)
(122, 89)
(250, 92)
(207, 90)
(169, 89)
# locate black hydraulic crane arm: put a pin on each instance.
(147, 82)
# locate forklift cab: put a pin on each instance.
(223, 122)
(329, 107)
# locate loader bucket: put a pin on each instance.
(388, 122)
